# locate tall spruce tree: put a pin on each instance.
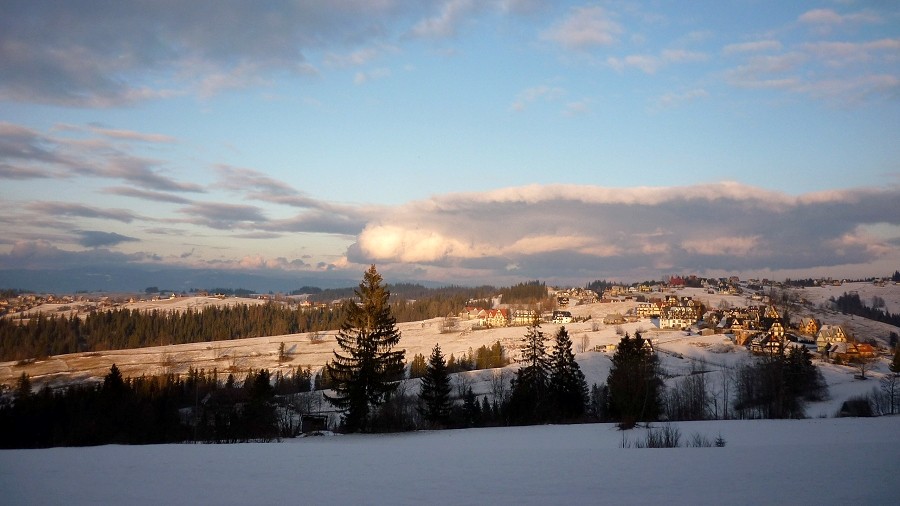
(634, 383)
(568, 388)
(528, 401)
(367, 369)
(434, 396)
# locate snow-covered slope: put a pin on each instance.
(816, 461)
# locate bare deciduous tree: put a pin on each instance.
(500, 384)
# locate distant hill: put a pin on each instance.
(136, 279)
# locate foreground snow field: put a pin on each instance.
(814, 461)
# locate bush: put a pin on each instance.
(666, 437)
(699, 441)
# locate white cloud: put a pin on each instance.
(649, 64)
(670, 100)
(646, 63)
(577, 108)
(757, 46)
(359, 57)
(821, 16)
(446, 23)
(542, 92)
(830, 17)
(371, 75)
(585, 28)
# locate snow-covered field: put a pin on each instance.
(815, 461)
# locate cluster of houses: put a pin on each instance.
(492, 318)
(574, 296)
(28, 301)
(759, 328)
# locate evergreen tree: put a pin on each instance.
(568, 388)
(895, 363)
(598, 404)
(367, 368)
(802, 378)
(434, 397)
(258, 415)
(487, 412)
(634, 383)
(528, 401)
(471, 409)
(23, 387)
(417, 366)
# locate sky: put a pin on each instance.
(459, 141)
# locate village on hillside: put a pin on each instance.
(758, 315)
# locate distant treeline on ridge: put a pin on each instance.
(46, 335)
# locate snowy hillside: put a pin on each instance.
(816, 461)
(679, 352)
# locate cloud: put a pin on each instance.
(649, 64)
(715, 227)
(670, 100)
(572, 233)
(542, 92)
(130, 135)
(844, 73)
(128, 191)
(577, 108)
(446, 22)
(97, 238)
(219, 215)
(757, 46)
(27, 154)
(371, 75)
(843, 54)
(585, 28)
(97, 54)
(73, 210)
(317, 216)
(831, 18)
(357, 57)
(142, 172)
(43, 255)
(22, 145)
(348, 222)
(251, 181)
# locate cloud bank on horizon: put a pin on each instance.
(455, 141)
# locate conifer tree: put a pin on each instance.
(367, 368)
(471, 409)
(23, 388)
(528, 401)
(895, 362)
(417, 366)
(435, 393)
(568, 388)
(634, 383)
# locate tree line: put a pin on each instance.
(45, 335)
(851, 303)
(199, 407)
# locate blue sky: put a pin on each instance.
(452, 141)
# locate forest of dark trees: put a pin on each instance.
(43, 336)
(199, 407)
(46, 335)
(850, 303)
